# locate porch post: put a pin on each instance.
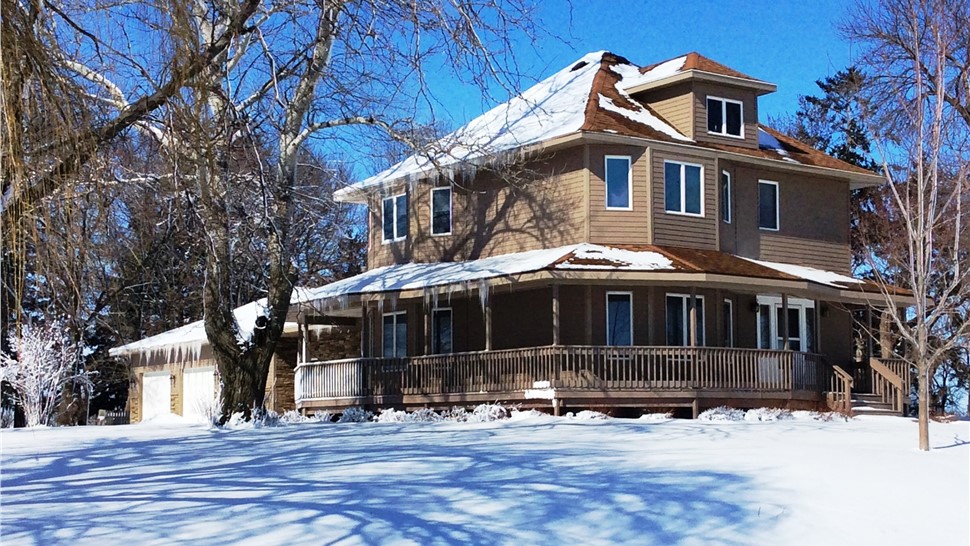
(692, 316)
(427, 327)
(488, 321)
(555, 314)
(363, 328)
(818, 326)
(589, 315)
(868, 332)
(784, 322)
(304, 333)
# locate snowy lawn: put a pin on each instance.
(535, 480)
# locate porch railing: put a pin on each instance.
(890, 380)
(840, 393)
(566, 367)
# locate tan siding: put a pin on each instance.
(674, 104)
(683, 230)
(618, 226)
(750, 113)
(812, 253)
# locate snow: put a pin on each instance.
(820, 276)
(659, 72)
(528, 480)
(767, 141)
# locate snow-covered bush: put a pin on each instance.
(457, 414)
(488, 412)
(355, 415)
(323, 416)
(825, 416)
(590, 415)
(391, 415)
(516, 414)
(768, 414)
(423, 415)
(292, 417)
(721, 413)
(657, 416)
(46, 360)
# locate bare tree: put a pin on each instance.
(918, 55)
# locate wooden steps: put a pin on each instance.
(871, 404)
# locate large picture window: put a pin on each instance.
(683, 190)
(441, 338)
(395, 340)
(394, 217)
(619, 183)
(678, 319)
(768, 205)
(619, 318)
(724, 117)
(440, 211)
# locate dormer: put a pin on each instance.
(703, 99)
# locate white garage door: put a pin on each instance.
(198, 388)
(156, 395)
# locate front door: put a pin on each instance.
(800, 319)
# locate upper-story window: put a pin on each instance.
(724, 117)
(726, 197)
(394, 217)
(683, 191)
(619, 182)
(440, 211)
(768, 205)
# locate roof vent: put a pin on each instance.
(578, 65)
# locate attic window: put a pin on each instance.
(724, 117)
(578, 65)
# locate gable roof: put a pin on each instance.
(592, 95)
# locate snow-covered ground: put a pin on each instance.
(532, 480)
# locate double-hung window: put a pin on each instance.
(395, 331)
(441, 338)
(768, 205)
(394, 217)
(726, 197)
(724, 117)
(619, 182)
(441, 211)
(619, 318)
(678, 319)
(683, 188)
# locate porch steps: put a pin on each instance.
(870, 404)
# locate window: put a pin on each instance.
(440, 211)
(726, 197)
(619, 318)
(768, 205)
(683, 189)
(619, 182)
(394, 216)
(395, 341)
(441, 331)
(678, 319)
(801, 324)
(728, 323)
(724, 117)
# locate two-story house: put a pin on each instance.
(616, 236)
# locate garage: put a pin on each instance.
(198, 390)
(156, 394)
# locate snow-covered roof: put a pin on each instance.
(820, 276)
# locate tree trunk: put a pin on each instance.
(924, 407)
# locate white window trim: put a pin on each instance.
(729, 304)
(727, 217)
(629, 181)
(618, 293)
(451, 318)
(702, 341)
(393, 199)
(383, 348)
(683, 189)
(777, 205)
(774, 303)
(451, 217)
(724, 117)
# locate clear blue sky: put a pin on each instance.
(789, 43)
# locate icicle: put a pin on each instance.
(483, 289)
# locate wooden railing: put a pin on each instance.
(566, 367)
(840, 392)
(888, 384)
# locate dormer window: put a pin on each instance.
(394, 217)
(724, 117)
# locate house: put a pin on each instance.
(617, 237)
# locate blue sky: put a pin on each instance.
(789, 43)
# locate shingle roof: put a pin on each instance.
(696, 61)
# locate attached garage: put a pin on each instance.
(198, 392)
(156, 394)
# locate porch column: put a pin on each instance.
(363, 328)
(427, 327)
(818, 326)
(488, 320)
(589, 315)
(304, 333)
(692, 316)
(868, 332)
(555, 314)
(784, 322)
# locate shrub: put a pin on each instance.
(721, 413)
(355, 415)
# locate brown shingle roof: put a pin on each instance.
(696, 61)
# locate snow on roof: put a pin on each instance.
(662, 70)
(820, 276)
(554, 107)
(767, 141)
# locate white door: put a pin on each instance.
(156, 394)
(198, 393)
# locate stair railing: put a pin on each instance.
(840, 394)
(887, 384)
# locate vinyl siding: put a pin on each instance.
(674, 104)
(682, 230)
(750, 114)
(619, 226)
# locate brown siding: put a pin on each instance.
(835, 328)
(674, 104)
(618, 226)
(539, 206)
(678, 229)
(749, 113)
